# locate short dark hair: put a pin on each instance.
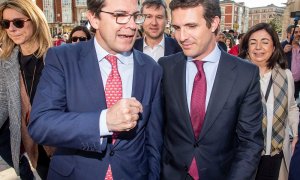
(95, 6)
(278, 54)
(289, 28)
(231, 31)
(211, 8)
(156, 4)
(80, 28)
(241, 35)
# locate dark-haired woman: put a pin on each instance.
(281, 116)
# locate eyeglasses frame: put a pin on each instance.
(115, 14)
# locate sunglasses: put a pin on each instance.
(18, 23)
(75, 39)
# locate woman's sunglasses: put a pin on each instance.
(75, 39)
(18, 23)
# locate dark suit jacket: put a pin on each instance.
(294, 172)
(66, 111)
(230, 143)
(288, 55)
(171, 46)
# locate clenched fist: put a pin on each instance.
(123, 115)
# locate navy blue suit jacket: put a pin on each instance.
(66, 111)
(294, 173)
(230, 143)
(171, 46)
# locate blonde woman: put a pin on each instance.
(25, 38)
(281, 115)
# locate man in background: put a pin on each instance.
(291, 48)
(155, 43)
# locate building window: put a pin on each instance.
(48, 10)
(66, 11)
(222, 10)
(80, 2)
(222, 19)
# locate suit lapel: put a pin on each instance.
(138, 81)
(179, 90)
(91, 76)
(222, 88)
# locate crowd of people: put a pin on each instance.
(202, 104)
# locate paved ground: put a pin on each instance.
(10, 174)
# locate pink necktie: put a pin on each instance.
(113, 93)
(197, 109)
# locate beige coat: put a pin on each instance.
(292, 125)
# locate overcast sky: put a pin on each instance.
(259, 3)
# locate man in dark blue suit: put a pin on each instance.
(73, 109)
(294, 172)
(212, 101)
(155, 43)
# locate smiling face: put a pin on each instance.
(192, 33)
(155, 21)
(260, 47)
(114, 37)
(20, 36)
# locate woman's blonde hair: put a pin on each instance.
(41, 32)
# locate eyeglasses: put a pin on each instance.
(75, 39)
(124, 18)
(18, 23)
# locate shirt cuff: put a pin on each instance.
(102, 124)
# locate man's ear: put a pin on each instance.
(215, 23)
(94, 21)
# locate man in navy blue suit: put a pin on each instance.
(294, 172)
(212, 102)
(155, 43)
(72, 108)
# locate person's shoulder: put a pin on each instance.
(283, 43)
(144, 57)
(242, 63)
(288, 73)
(173, 42)
(70, 48)
(138, 44)
(171, 58)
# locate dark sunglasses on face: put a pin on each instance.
(75, 39)
(18, 23)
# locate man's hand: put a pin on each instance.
(123, 115)
(287, 48)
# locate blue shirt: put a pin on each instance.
(210, 68)
(125, 68)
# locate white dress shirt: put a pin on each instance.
(210, 68)
(264, 82)
(157, 51)
(125, 68)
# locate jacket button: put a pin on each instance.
(112, 153)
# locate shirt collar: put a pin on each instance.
(161, 43)
(124, 58)
(212, 57)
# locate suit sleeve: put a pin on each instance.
(51, 123)
(249, 132)
(154, 136)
